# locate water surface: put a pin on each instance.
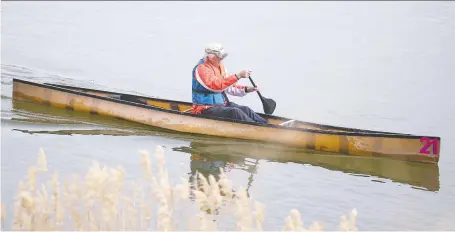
(370, 65)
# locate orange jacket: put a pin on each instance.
(216, 79)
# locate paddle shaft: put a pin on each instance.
(254, 85)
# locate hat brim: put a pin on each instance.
(224, 55)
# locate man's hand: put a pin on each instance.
(250, 89)
(243, 74)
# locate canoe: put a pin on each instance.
(175, 116)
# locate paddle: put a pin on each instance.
(267, 103)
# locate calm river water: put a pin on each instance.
(371, 65)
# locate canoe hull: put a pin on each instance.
(397, 146)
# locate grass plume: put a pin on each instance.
(102, 199)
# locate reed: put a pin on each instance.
(102, 199)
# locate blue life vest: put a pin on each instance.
(203, 96)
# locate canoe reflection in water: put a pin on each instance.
(209, 159)
(208, 156)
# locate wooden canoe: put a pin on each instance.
(174, 116)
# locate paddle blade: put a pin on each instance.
(269, 105)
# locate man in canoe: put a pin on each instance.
(211, 82)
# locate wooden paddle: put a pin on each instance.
(267, 103)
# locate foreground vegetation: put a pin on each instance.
(103, 200)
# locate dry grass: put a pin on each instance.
(103, 200)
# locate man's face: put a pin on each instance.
(215, 60)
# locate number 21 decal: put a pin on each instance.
(428, 143)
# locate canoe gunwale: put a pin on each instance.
(355, 132)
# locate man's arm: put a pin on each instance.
(236, 90)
